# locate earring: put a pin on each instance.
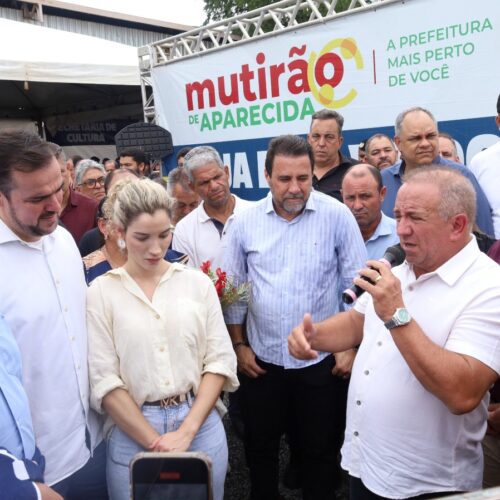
(121, 244)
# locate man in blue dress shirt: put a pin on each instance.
(363, 193)
(21, 463)
(417, 139)
(298, 249)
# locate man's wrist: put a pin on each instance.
(237, 345)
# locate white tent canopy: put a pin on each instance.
(38, 54)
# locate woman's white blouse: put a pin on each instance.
(156, 349)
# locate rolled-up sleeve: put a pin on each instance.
(219, 355)
(104, 369)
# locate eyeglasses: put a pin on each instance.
(327, 137)
(92, 183)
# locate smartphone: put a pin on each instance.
(171, 476)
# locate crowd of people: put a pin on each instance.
(113, 341)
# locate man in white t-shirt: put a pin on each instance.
(429, 336)
(486, 167)
(202, 234)
(43, 300)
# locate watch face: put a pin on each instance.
(403, 316)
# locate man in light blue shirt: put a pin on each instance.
(21, 463)
(417, 139)
(298, 249)
(363, 193)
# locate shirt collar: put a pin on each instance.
(8, 236)
(398, 169)
(130, 284)
(453, 269)
(384, 227)
(310, 204)
(121, 272)
(204, 217)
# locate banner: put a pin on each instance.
(94, 133)
(368, 65)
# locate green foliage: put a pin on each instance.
(218, 10)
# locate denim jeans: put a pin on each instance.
(210, 439)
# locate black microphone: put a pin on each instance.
(393, 256)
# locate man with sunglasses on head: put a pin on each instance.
(325, 138)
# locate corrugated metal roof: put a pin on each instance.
(126, 35)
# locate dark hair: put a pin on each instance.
(100, 212)
(75, 159)
(287, 145)
(369, 141)
(375, 172)
(183, 152)
(117, 171)
(362, 145)
(21, 151)
(137, 154)
(329, 114)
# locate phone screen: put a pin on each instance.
(175, 478)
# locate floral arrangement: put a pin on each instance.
(227, 291)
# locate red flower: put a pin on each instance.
(227, 292)
(221, 275)
(219, 287)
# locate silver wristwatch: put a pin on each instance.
(401, 317)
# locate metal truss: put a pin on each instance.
(265, 21)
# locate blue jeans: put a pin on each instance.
(210, 439)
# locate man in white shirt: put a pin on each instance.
(202, 234)
(429, 335)
(486, 167)
(43, 300)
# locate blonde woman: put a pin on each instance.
(159, 352)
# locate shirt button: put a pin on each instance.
(358, 402)
(157, 316)
(167, 382)
(57, 281)
(162, 349)
(78, 366)
(65, 309)
(356, 433)
(72, 338)
(379, 343)
(410, 288)
(367, 372)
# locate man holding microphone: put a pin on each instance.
(428, 334)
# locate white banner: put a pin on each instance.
(369, 66)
